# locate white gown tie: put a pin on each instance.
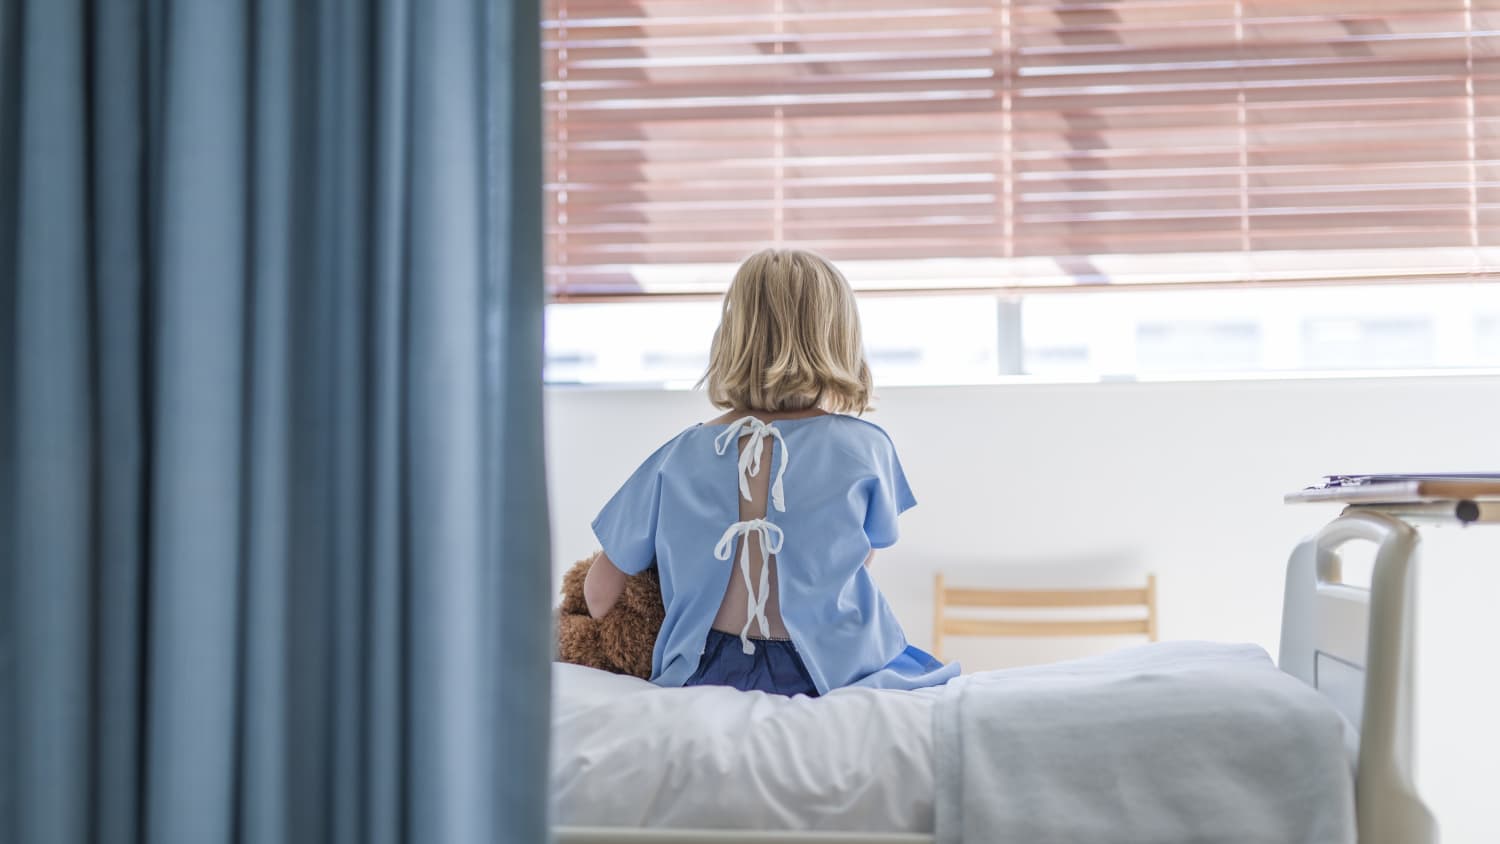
(771, 538)
(750, 457)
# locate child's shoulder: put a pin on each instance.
(691, 433)
(858, 426)
(860, 438)
(664, 452)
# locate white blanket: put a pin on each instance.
(627, 753)
(1175, 742)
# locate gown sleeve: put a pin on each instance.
(889, 496)
(626, 527)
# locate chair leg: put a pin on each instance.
(1151, 606)
(939, 604)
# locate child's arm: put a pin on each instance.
(602, 586)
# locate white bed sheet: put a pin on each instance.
(627, 753)
(1169, 742)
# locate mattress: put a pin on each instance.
(628, 753)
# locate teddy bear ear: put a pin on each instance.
(627, 639)
(572, 588)
(578, 642)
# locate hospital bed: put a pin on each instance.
(1352, 644)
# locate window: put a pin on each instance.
(1153, 334)
(1018, 146)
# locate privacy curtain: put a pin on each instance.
(272, 512)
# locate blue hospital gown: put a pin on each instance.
(837, 488)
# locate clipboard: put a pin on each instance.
(1400, 488)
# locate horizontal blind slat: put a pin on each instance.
(1015, 137)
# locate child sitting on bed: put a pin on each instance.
(762, 522)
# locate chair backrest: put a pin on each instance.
(1075, 624)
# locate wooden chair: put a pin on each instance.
(944, 624)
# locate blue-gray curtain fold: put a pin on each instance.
(272, 512)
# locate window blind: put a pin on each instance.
(1021, 144)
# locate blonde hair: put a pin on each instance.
(788, 339)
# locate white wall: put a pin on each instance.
(1089, 484)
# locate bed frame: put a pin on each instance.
(1352, 644)
(1355, 645)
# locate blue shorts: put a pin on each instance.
(774, 667)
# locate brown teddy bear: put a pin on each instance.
(621, 641)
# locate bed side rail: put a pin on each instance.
(1356, 647)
